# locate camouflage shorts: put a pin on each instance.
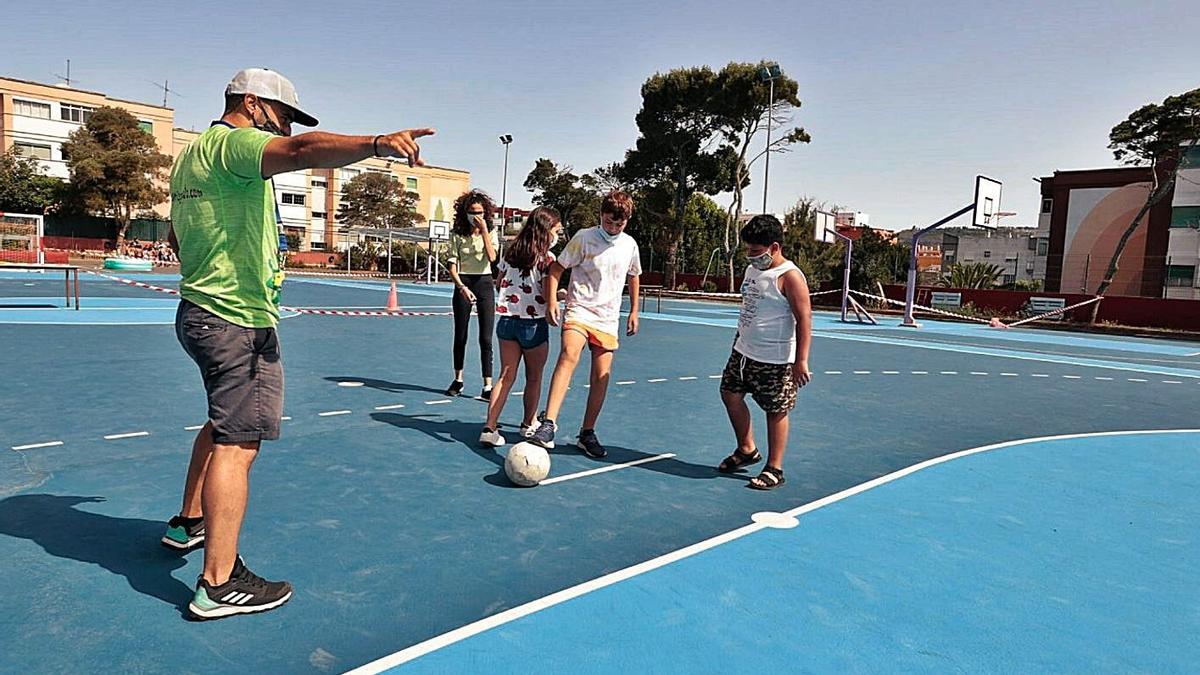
(770, 384)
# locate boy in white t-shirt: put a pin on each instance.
(770, 354)
(601, 260)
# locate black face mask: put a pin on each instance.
(267, 125)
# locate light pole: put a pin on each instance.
(506, 139)
(768, 73)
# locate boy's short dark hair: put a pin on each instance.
(617, 203)
(763, 230)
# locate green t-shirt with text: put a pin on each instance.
(223, 213)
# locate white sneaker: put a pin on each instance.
(527, 430)
(492, 438)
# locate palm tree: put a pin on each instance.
(972, 275)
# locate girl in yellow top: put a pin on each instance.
(473, 253)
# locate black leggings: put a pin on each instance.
(485, 304)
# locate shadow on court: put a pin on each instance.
(128, 547)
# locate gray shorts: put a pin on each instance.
(242, 371)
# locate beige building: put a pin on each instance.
(36, 119)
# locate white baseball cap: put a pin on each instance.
(268, 84)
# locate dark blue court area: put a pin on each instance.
(958, 499)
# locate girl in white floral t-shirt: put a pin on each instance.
(521, 310)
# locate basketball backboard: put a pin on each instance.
(439, 230)
(825, 221)
(987, 202)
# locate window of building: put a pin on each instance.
(987, 254)
(410, 183)
(1047, 205)
(1043, 246)
(1185, 216)
(319, 183)
(32, 150)
(318, 215)
(1029, 266)
(145, 126)
(75, 113)
(294, 198)
(1009, 279)
(347, 174)
(317, 245)
(1010, 258)
(31, 108)
(1181, 275)
(1191, 158)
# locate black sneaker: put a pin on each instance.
(590, 445)
(544, 436)
(486, 394)
(455, 388)
(244, 593)
(184, 535)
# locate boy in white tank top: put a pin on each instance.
(770, 354)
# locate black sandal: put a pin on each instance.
(734, 462)
(769, 479)
(455, 388)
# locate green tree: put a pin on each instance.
(1158, 135)
(820, 261)
(576, 197)
(24, 188)
(678, 146)
(877, 260)
(116, 169)
(972, 275)
(743, 106)
(378, 200)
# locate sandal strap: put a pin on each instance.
(770, 477)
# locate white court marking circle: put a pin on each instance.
(779, 521)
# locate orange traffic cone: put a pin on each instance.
(393, 305)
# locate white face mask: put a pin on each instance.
(762, 262)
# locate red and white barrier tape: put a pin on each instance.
(321, 312)
(933, 310)
(1052, 312)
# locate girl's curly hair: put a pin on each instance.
(462, 226)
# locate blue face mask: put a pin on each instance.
(610, 238)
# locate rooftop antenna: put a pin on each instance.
(166, 89)
(66, 80)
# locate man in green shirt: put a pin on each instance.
(225, 231)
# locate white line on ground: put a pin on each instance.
(833, 372)
(331, 413)
(392, 406)
(605, 469)
(135, 434)
(687, 377)
(949, 372)
(919, 372)
(862, 372)
(518, 393)
(1071, 377)
(627, 382)
(1038, 375)
(32, 446)
(438, 401)
(978, 372)
(658, 379)
(485, 624)
(891, 372)
(1009, 374)
(197, 427)
(285, 419)
(1136, 379)
(1172, 382)
(350, 384)
(1103, 379)
(714, 377)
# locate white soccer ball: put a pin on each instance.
(527, 464)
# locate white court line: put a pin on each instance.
(978, 372)
(605, 469)
(457, 635)
(1171, 382)
(437, 402)
(518, 393)
(714, 377)
(1039, 375)
(919, 372)
(1136, 379)
(862, 372)
(627, 382)
(833, 372)
(135, 434)
(1103, 379)
(658, 379)
(197, 427)
(1009, 374)
(285, 419)
(891, 372)
(1071, 377)
(331, 413)
(32, 446)
(949, 372)
(687, 377)
(393, 406)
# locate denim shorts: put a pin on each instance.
(528, 333)
(242, 370)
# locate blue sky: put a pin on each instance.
(905, 102)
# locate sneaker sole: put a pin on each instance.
(492, 445)
(546, 445)
(233, 610)
(584, 450)
(194, 542)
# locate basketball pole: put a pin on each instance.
(911, 291)
(845, 272)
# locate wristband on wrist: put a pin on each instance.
(375, 145)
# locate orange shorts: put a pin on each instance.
(596, 337)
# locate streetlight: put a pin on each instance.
(768, 73)
(506, 139)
